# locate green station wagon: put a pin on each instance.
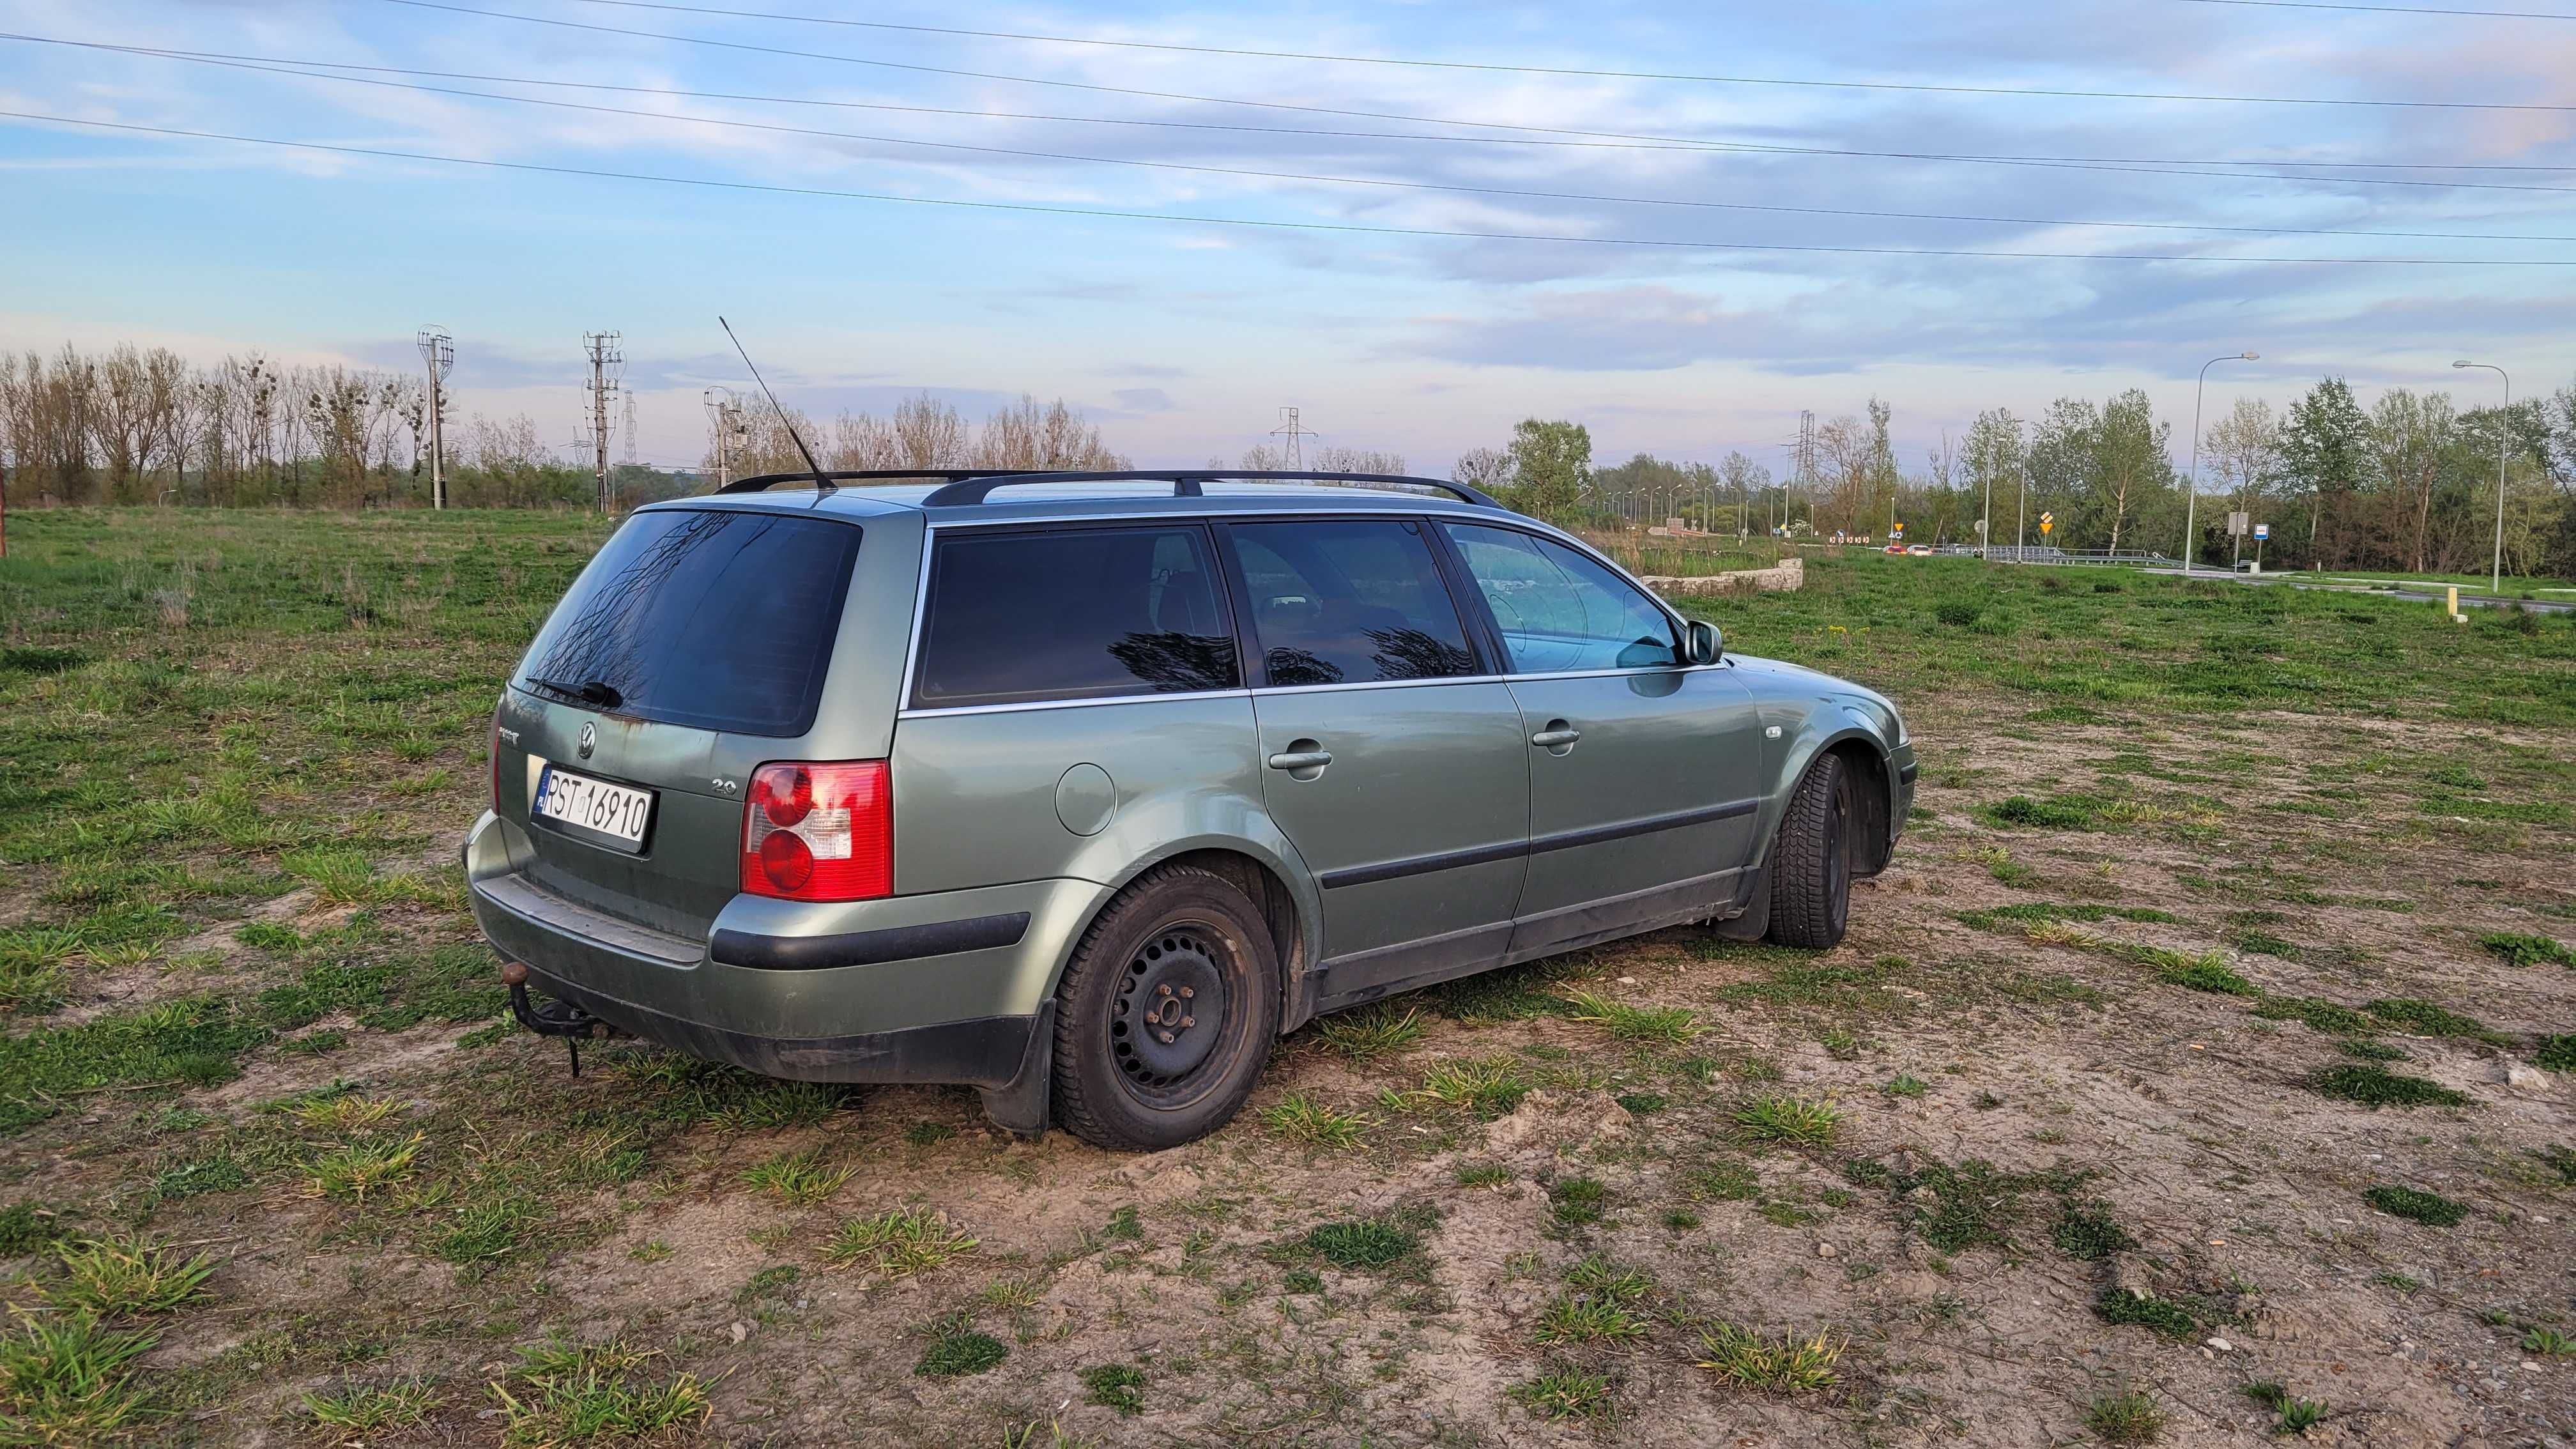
(1081, 789)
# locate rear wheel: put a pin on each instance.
(1811, 862)
(1166, 1013)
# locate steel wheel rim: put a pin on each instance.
(1171, 1013)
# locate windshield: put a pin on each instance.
(718, 619)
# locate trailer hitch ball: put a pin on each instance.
(514, 973)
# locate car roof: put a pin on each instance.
(1035, 497)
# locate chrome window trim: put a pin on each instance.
(1380, 684)
(1016, 706)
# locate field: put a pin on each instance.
(2204, 1066)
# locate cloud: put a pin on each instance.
(1144, 399)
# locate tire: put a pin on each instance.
(1137, 1067)
(1811, 870)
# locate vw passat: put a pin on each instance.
(1081, 789)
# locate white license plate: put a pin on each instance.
(594, 806)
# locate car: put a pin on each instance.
(1919, 550)
(1082, 789)
(1895, 548)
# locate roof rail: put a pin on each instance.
(1186, 483)
(880, 475)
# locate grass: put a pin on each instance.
(2416, 1205)
(1115, 1386)
(1364, 1244)
(2130, 1418)
(1782, 1363)
(2089, 1234)
(590, 1393)
(2375, 1086)
(66, 1379)
(1564, 1393)
(898, 1243)
(1664, 1025)
(957, 1350)
(1589, 1318)
(2122, 1306)
(2426, 1019)
(2548, 1343)
(1300, 1118)
(2557, 1053)
(798, 1179)
(2518, 950)
(362, 1409)
(1577, 1201)
(1487, 1086)
(1370, 1032)
(1791, 1121)
(2297, 1416)
(350, 1171)
(126, 1278)
(1972, 1205)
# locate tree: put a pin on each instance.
(1339, 459)
(1551, 466)
(2325, 455)
(2411, 441)
(2132, 473)
(1994, 458)
(1487, 470)
(1743, 477)
(2242, 452)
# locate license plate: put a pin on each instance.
(615, 814)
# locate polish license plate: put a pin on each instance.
(612, 815)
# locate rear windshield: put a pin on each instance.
(720, 620)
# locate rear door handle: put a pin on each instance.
(1558, 736)
(1303, 759)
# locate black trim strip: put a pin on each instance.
(1421, 865)
(1906, 775)
(1569, 839)
(866, 948)
(1564, 840)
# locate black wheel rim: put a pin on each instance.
(1172, 1013)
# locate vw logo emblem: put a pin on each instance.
(589, 739)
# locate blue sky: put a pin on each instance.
(1183, 337)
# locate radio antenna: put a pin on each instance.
(822, 483)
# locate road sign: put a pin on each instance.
(2047, 521)
(2236, 524)
(1981, 528)
(2262, 530)
(1896, 530)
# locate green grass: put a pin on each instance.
(2528, 950)
(2426, 1019)
(66, 1379)
(563, 1393)
(1362, 1245)
(2416, 1205)
(1777, 1363)
(957, 1350)
(2332, 1018)
(1371, 1032)
(1564, 1393)
(798, 1179)
(1576, 1201)
(1300, 1118)
(1791, 1121)
(26, 1227)
(2297, 1416)
(2121, 1306)
(1487, 1086)
(2375, 1086)
(1665, 1025)
(898, 1243)
(2557, 1053)
(2130, 1418)
(2089, 1234)
(1589, 1318)
(362, 1409)
(1115, 1386)
(126, 1277)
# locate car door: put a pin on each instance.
(1644, 773)
(1392, 753)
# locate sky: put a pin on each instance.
(1615, 214)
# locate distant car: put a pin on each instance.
(1084, 796)
(1896, 548)
(1918, 550)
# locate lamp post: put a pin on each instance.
(2504, 434)
(2190, 508)
(2021, 510)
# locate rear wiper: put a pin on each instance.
(589, 691)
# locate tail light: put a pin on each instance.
(819, 832)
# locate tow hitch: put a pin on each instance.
(555, 1018)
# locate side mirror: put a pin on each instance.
(1705, 645)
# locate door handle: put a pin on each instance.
(1303, 759)
(1558, 736)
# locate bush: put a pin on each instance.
(1959, 613)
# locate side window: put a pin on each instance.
(1337, 602)
(1559, 610)
(1072, 614)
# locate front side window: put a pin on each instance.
(1072, 614)
(1560, 610)
(1350, 602)
(719, 619)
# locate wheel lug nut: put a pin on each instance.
(1189, 1021)
(1187, 993)
(1166, 1036)
(1164, 989)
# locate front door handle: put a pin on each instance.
(1558, 737)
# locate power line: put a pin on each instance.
(1583, 72)
(2143, 166)
(2034, 91)
(1384, 182)
(1272, 224)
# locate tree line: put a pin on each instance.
(2408, 484)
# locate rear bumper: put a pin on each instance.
(940, 988)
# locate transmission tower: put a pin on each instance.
(607, 368)
(438, 354)
(725, 424)
(1296, 434)
(629, 425)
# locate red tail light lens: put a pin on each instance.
(819, 832)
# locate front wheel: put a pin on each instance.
(1166, 1013)
(1811, 862)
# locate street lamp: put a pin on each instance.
(2190, 509)
(2504, 432)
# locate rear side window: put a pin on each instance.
(716, 619)
(1560, 610)
(1353, 602)
(1072, 614)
